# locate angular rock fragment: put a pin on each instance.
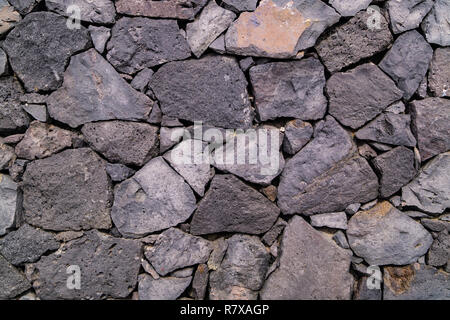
(26, 245)
(241, 5)
(397, 108)
(279, 29)
(396, 168)
(341, 240)
(415, 282)
(12, 281)
(335, 220)
(220, 247)
(439, 253)
(3, 62)
(435, 225)
(169, 288)
(31, 49)
(118, 172)
(109, 268)
(8, 17)
(155, 198)
(141, 80)
(92, 11)
(218, 45)
(94, 91)
(99, 35)
(68, 191)
(213, 20)
(389, 128)
(363, 292)
(407, 62)
(348, 8)
(37, 111)
(6, 155)
(12, 117)
(360, 94)
(169, 137)
(312, 266)
(9, 203)
(24, 6)
(289, 89)
(200, 282)
(271, 236)
(231, 206)
(431, 125)
(430, 190)
(407, 14)
(242, 271)
(297, 134)
(435, 25)
(384, 235)
(176, 249)
(439, 74)
(212, 89)
(138, 43)
(355, 40)
(174, 9)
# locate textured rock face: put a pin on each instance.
(68, 191)
(96, 11)
(439, 74)
(289, 89)
(279, 28)
(297, 134)
(212, 89)
(407, 14)
(12, 117)
(335, 220)
(435, 25)
(13, 282)
(355, 40)
(94, 91)
(31, 49)
(311, 267)
(109, 268)
(349, 8)
(138, 43)
(8, 17)
(242, 271)
(439, 253)
(178, 9)
(155, 198)
(169, 288)
(241, 5)
(232, 206)
(99, 35)
(360, 94)
(24, 6)
(8, 203)
(384, 235)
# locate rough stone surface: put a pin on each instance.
(220, 247)
(6, 155)
(348, 8)
(407, 61)
(430, 190)
(12, 281)
(8, 17)
(141, 80)
(289, 89)
(99, 35)
(241, 5)
(355, 40)
(154, 199)
(200, 282)
(335, 220)
(94, 91)
(169, 288)
(271, 236)
(439, 74)
(37, 111)
(297, 135)
(12, 117)
(435, 25)
(9, 205)
(67, 191)
(312, 266)
(384, 235)
(93, 11)
(439, 253)
(212, 89)
(118, 172)
(3, 62)
(231, 206)
(24, 6)
(363, 292)
(174, 9)
(360, 94)
(138, 43)
(407, 14)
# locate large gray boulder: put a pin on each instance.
(435, 25)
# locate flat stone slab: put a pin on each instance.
(169, 288)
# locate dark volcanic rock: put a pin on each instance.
(9, 203)
(138, 43)
(232, 206)
(24, 6)
(439, 253)
(312, 266)
(360, 94)
(68, 191)
(129, 143)
(118, 172)
(439, 74)
(289, 89)
(39, 48)
(407, 61)
(435, 25)
(99, 35)
(241, 5)
(354, 41)
(94, 91)
(12, 281)
(200, 282)
(297, 135)
(212, 89)
(169, 288)
(94, 11)
(348, 8)
(407, 14)
(12, 116)
(175, 9)
(431, 124)
(109, 268)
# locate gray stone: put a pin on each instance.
(289, 89)
(407, 61)
(297, 134)
(231, 206)
(24, 6)
(363, 292)
(141, 80)
(241, 5)
(369, 205)
(435, 25)
(242, 272)
(407, 14)
(33, 98)
(271, 236)
(99, 36)
(31, 49)
(67, 236)
(360, 94)
(7, 155)
(397, 108)
(138, 43)
(415, 282)
(155, 198)
(9, 203)
(348, 8)
(68, 191)
(169, 288)
(26, 245)
(355, 40)
(12, 281)
(92, 11)
(218, 45)
(416, 214)
(439, 74)
(12, 116)
(212, 21)
(335, 220)
(246, 63)
(118, 172)
(220, 247)
(312, 266)
(129, 143)
(176, 249)
(396, 168)
(182, 273)
(174, 9)
(212, 89)
(8, 17)
(109, 268)
(435, 225)
(353, 208)
(37, 111)
(439, 253)
(94, 91)
(341, 240)
(200, 282)
(431, 125)
(169, 137)
(3, 63)
(384, 235)
(430, 190)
